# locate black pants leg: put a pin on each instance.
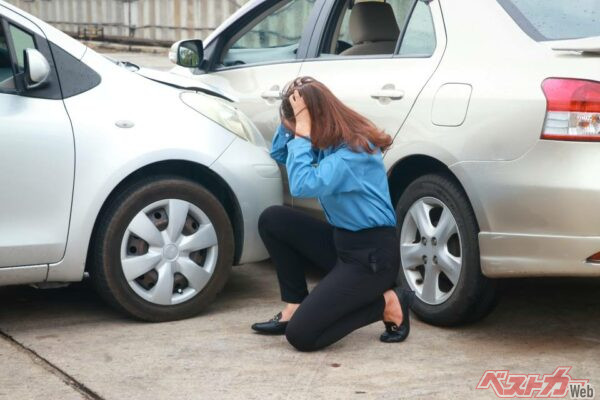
(363, 265)
(294, 241)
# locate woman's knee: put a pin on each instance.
(269, 218)
(302, 339)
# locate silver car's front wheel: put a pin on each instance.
(439, 252)
(169, 252)
(430, 249)
(163, 249)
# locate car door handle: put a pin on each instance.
(391, 94)
(272, 94)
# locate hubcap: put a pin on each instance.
(431, 250)
(169, 252)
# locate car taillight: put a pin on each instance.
(594, 259)
(573, 111)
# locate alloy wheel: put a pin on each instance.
(431, 250)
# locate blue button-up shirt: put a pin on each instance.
(352, 187)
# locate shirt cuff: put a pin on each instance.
(287, 134)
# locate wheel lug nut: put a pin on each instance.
(435, 259)
(424, 259)
(434, 241)
(424, 241)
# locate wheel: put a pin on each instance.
(439, 253)
(163, 249)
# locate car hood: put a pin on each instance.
(183, 82)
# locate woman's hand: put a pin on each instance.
(302, 115)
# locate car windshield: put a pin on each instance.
(555, 19)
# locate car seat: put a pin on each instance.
(373, 29)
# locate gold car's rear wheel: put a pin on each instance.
(439, 252)
(431, 250)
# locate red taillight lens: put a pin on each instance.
(594, 259)
(573, 111)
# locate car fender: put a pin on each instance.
(89, 199)
(401, 151)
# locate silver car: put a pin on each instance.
(153, 189)
(495, 110)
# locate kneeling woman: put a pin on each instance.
(333, 153)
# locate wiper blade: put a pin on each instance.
(181, 82)
(125, 64)
(128, 65)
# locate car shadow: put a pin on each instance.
(559, 309)
(563, 309)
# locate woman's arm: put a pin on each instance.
(331, 175)
(279, 151)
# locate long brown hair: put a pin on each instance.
(332, 122)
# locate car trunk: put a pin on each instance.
(577, 58)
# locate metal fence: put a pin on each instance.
(143, 21)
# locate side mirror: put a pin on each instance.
(187, 53)
(37, 69)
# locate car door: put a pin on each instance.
(383, 77)
(36, 153)
(257, 56)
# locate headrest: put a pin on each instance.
(373, 21)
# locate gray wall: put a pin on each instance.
(152, 20)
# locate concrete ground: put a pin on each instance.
(67, 344)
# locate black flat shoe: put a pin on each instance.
(271, 327)
(398, 333)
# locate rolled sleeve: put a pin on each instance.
(279, 150)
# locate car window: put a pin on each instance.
(555, 19)
(374, 31)
(21, 41)
(6, 73)
(274, 37)
(419, 38)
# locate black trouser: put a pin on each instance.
(360, 267)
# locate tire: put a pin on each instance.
(444, 271)
(128, 238)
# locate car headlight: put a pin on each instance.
(224, 114)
